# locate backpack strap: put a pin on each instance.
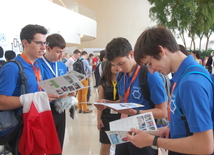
(23, 78)
(119, 76)
(144, 85)
(193, 69)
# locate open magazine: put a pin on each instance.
(64, 84)
(118, 106)
(119, 128)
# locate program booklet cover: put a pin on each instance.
(119, 128)
(64, 84)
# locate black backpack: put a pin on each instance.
(11, 120)
(78, 66)
(146, 92)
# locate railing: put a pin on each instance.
(76, 7)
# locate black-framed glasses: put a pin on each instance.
(149, 62)
(39, 43)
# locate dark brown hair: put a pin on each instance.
(150, 41)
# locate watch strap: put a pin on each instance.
(155, 140)
(138, 111)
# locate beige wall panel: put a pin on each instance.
(117, 18)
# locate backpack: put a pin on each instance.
(193, 69)
(11, 120)
(97, 74)
(146, 92)
(78, 66)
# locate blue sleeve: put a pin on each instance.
(88, 68)
(9, 79)
(197, 103)
(157, 88)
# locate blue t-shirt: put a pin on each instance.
(10, 78)
(156, 87)
(46, 71)
(195, 95)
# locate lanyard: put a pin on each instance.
(114, 90)
(56, 69)
(36, 70)
(126, 93)
(168, 108)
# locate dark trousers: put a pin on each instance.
(59, 120)
(89, 91)
(13, 146)
(130, 149)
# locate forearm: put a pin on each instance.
(9, 102)
(157, 113)
(189, 145)
(99, 114)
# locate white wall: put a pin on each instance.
(18, 13)
(117, 18)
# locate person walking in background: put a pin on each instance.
(90, 59)
(209, 64)
(65, 57)
(95, 61)
(2, 61)
(191, 117)
(197, 56)
(183, 49)
(82, 94)
(9, 55)
(107, 90)
(72, 59)
(99, 68)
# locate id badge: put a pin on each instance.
(113, 112)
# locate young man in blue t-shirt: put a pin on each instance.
(119, 52)
(33, 38)
(192, 95)
(51, 67)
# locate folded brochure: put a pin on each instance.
(118, 106)
(119, 128)
(64, 84)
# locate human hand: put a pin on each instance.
(126, 111)
(52, 97)
(137, 139)
(163, 131)
(73, 93)
(100, 107)
(100, 124)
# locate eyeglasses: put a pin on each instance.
(149, 62)
(39, 43)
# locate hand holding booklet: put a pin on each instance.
(64, 84)
(118, 106)
(119, 128)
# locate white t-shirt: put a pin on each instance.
(70, 63)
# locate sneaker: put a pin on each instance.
(80, 111)
(87, 111)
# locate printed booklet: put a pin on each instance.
(118, 106)
(64, 84)
(119, 128)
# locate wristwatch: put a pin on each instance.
(138, 111)
(154, 145)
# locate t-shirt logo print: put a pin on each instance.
(136, 94)
(172, 104)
